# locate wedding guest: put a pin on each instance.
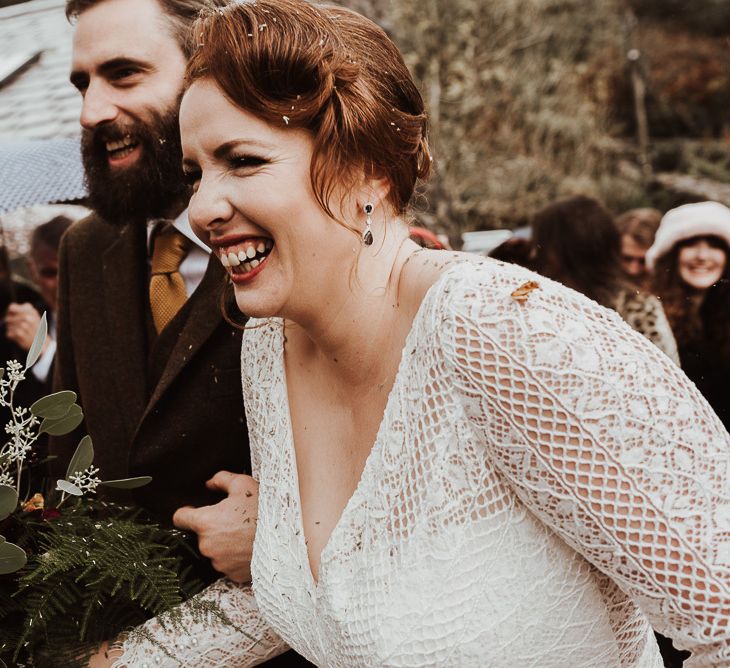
(577, 244)
(461, 463)
(518, 249)
(22, 319)
(637, 228)
(689, 259)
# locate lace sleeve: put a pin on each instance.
(607, 442)
(219, 627)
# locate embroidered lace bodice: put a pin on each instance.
(544, 485)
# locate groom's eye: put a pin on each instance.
(121, 76)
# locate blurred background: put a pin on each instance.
(530, 100)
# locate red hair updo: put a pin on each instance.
(327, 70)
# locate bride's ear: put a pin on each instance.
(372, 189)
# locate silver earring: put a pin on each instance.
(367, 235)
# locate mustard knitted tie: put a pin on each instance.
(167, 288)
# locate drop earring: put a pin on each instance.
(367, 235)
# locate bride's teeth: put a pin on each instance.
(251, 252)
(233, 259)
(246, 266)
(260, 248)
(224, 260)
(254, 263)
(242, 255)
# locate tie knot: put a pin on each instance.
(169, 249)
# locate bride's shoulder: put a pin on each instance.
(446, 273)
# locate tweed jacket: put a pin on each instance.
(168, 406)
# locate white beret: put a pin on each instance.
(687, 221)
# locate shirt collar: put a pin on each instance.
(182, 225)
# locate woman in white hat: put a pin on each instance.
(689, 259)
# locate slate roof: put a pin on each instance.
(40, 172)
(38, 102)
(39, 120)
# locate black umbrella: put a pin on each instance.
(40, 172)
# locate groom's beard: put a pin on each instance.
(149, 187)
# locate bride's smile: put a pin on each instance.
(253, 203)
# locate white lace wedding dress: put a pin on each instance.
(545, 484)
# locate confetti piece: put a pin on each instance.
(523, 292)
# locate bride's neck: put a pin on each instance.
(351, 334)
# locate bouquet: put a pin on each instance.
(74, 571)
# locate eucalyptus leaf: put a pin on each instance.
(128, 483)
(82, 458)
(54, 406)
(12, 558)
(68, 487)
(8, 500)
(61, 426)
(37, 346)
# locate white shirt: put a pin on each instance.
(195, 263)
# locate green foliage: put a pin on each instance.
(76, 576)
(37, 346)
(82, 458)
(8, 500)
(518, 95)
(128, 483)
(530, 100)
(54, 406)
(63, 425)
(95, 571)
(12, 557)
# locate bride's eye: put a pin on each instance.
(191, 176)
(246, 161)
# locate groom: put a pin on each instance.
(141, 338)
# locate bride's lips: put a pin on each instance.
(243, 255)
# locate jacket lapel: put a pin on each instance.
(202, 315)
(125, 286)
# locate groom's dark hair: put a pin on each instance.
(180, 13)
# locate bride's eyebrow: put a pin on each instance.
(224, 149)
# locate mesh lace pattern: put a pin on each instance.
(545, 483)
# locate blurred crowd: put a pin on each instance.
(23, 302)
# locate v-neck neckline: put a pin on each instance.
(315, 584)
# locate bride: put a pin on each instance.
(460, 463)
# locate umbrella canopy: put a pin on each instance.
(40, 172)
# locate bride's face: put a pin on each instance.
(254, 205)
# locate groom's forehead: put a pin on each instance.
(133, 29)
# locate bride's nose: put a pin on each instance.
(209, 207)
